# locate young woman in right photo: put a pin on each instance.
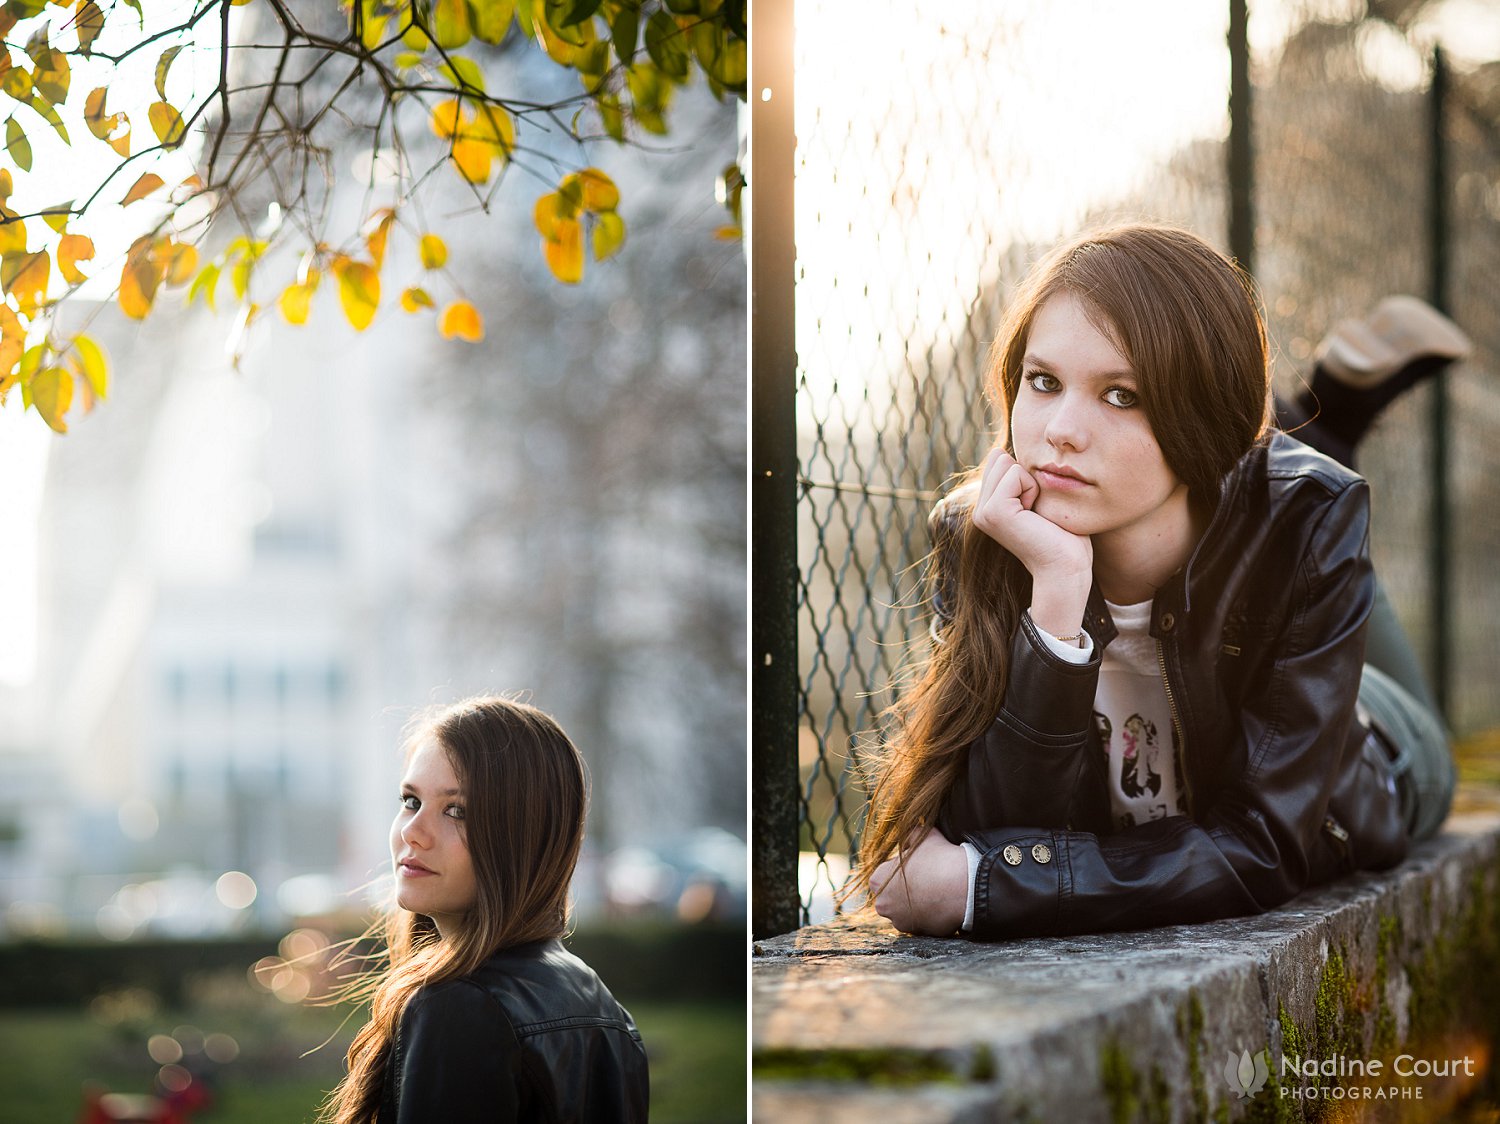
(1164, 684)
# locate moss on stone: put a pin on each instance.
(1122, 1085)
(1190, 1033)
(876, 1067)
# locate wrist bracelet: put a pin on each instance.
(1076, 638)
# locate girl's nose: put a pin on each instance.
(1066, 425)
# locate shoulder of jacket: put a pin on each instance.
(544, 988)
(1289, 465)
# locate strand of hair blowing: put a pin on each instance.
(1187, 320)
(526, 795)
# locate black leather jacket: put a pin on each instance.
(532, 1035)
(1261, 637)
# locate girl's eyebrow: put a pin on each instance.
(1031, 359)
(407, 786)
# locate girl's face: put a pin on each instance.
(434, 872)
(1078, 427)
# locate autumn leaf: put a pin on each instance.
(377, 231)
(296, 302)
(416, 298)
(564, 253)
(139, 279)
(142, 188)
(473, 160)
(52, 394)
(359, 291)
(17, 145)
(106, 126)
(72, 249)
(460, 320)
(434, 252)
(609, 235)
(12, 340)
(92, 365)
(163, 65)
(25, 276)
(595, 190)
(166, 123)
(12, 237)
(89, 22)
(204, 285)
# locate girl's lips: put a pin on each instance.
(1060, 481)
(413, 870)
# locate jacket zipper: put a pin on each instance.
(1187, 783)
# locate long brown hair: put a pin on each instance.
(525, 796)
(1188, 321)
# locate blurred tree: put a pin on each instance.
(296, 82)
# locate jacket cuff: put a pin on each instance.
(1044, 693)
(1019, 885)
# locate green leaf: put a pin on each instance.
(576, 11)
(623, 31)
(667, 46)
(463, 72)
(406, 60)
(49, 114)
(490, 19)
(136, 4)
(723, 58)
(17, 145)
(204, 284)
(526, 18)
(684, 7)
(163, 65)
(450, 23)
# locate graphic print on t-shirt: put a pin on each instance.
(1145, 777)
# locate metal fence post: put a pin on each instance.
(773, 464)
(1241, 158)
(1437, 220)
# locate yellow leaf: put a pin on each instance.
(142, 188)
(377, 231)
(729, 233)
(493, 126)
(359, 291)
(594, 190)
(415, 298)
(52, 394)
(52, 75)
(92, 364)
(178, 262)
(473, 159)
(564, 252)
(163, 65)
(139, 280)
(166, 123)
(12, 340)
(89, 22)
(25, 278)
(434, 252)
(448, 118)
(205, 283)
(550, 212)
(609, 235)
(296, 302)
(72, 249)
(12, 236)
(7, 185)
(461, 320)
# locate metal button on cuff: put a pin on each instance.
(1011, 854)
(1042, 853)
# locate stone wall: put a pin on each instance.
(855, 1022)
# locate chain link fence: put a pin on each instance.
(937, 159)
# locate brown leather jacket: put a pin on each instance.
(1261, 637)
(532, 1035)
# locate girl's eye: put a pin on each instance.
(456, 811)
(1121, 396)
(409, 802)
(1042, 382)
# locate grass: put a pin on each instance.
(47, 1058)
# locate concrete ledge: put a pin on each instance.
(857, 1022)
